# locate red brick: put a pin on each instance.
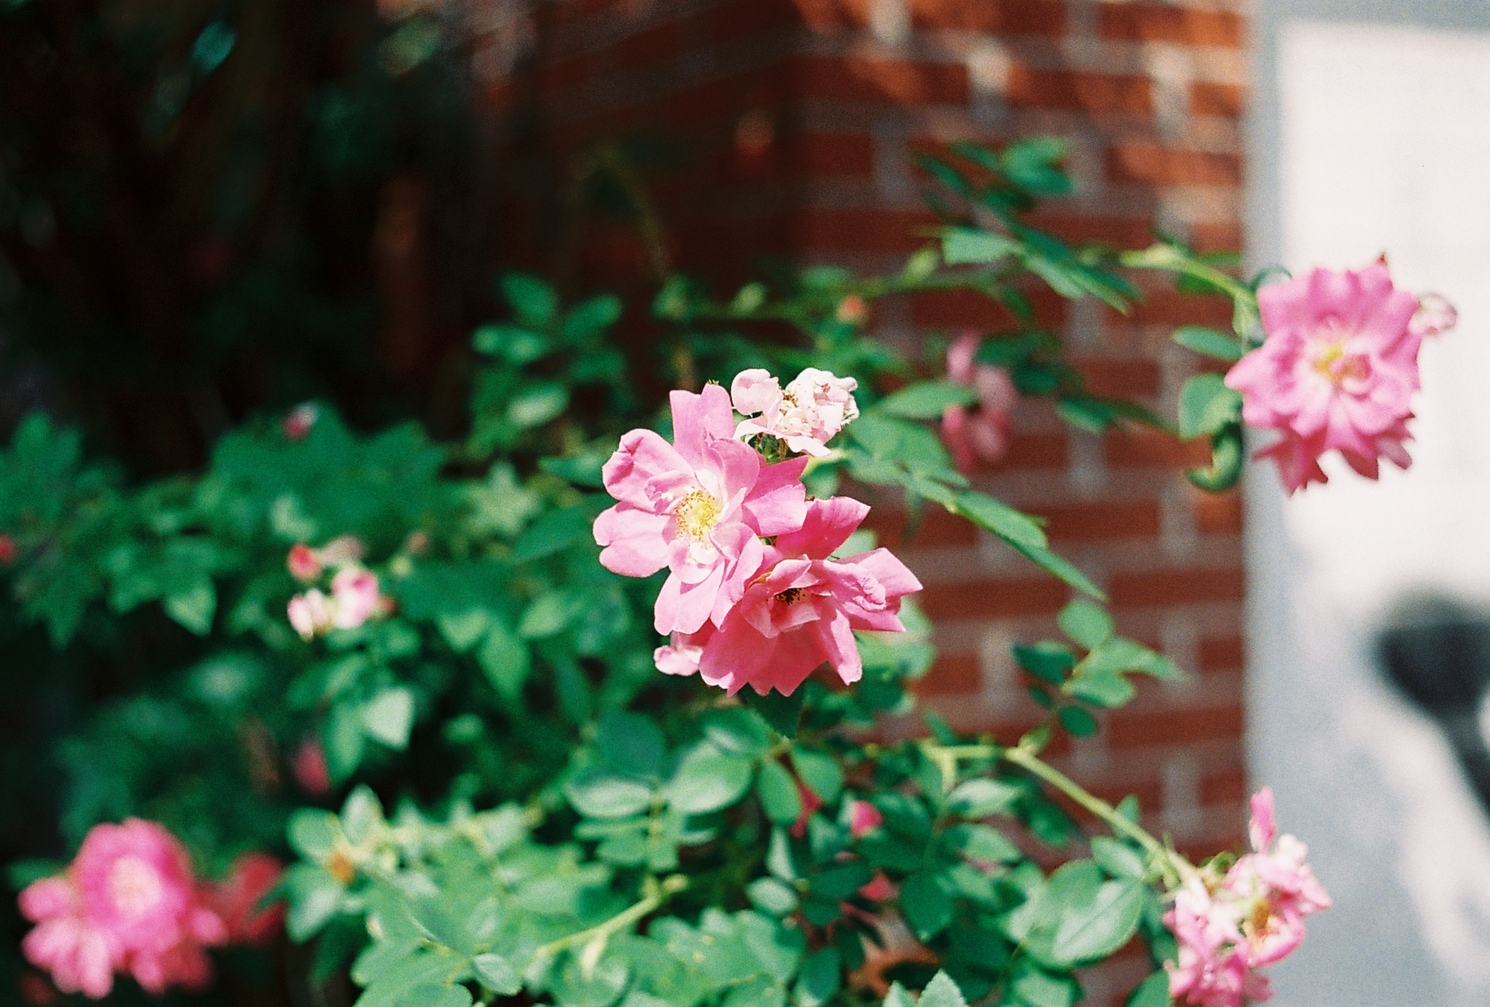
(1087, 522)
(1079, 92)
(1120, 378)
(651, 46)
(1216, 237)
(562, 74)
(1227, 100)
(1221, 653)
(1226, 786)
(1140, 728)
(1150, 793)
(995, 17)
(739, 19)
(992, 599)
(953, 674)
(1036, 451)
(823, 155)
(882, 81)
(1124, 232)
(1140, 447)
(1144, 22)
(1176, 587)
(859, 231)
(1168, 306)
(965, 309)
(1144, 162)
(936, 529)
(1217, 513)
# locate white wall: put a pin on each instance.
(1371, 132)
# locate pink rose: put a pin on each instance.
(864, 818)
(697, 507)
(986, 432)
(809, 413)
(1336, 372)
(310, 613)
(309, 767)
(128, 903)
(355, 597)
(803, 608)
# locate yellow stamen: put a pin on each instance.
(790, 595)
(696, 514)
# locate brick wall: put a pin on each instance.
(802, 114)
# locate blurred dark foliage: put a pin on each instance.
(207, 208)
(210, 209)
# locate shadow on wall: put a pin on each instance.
(1436, 651)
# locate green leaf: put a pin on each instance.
(553, 532)
(194, 607)
(962, 245)
(589, 319)
(777, 789)
(505, 660)
(1208, 342)
(737, 730)
(1034, 987)
(1086, 623)
(532, 299)
(1152, 992)
(820, 977)
(1101, 688)
(1018, 529)
(1046, 660)
(942, 992)
(516, 343)
(783, 713)
(313, 833)
(1089, 931)
(820, 771)
(1079, 722)
(315, 897)
(772, 896)
(898, 997)
(462, 630)
(389, 716)
(537, 405)
(496, 974)
(926, 905)
(927, 400)
(983, 843)
(981, 798)
(598, 794)
(1207, 405)
(707, 780)
(1117, 858)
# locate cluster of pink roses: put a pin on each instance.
(354, 596)
(1230, 926)
(130, 904)
(1337, 370)
(754, 594)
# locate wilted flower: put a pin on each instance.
(983, 433)
(1336, 372)
(809, 413)
(236, 899)
(128, 903)
(697, 507)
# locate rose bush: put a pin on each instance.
(518, 664)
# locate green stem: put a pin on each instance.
(1169, 260)
(659, 894)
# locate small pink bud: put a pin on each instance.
(303, 563)
(309, 767)
(344, 550)
(298, 422)
(864, 818)
(417, 544)
(852, 310)
(8, 551)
